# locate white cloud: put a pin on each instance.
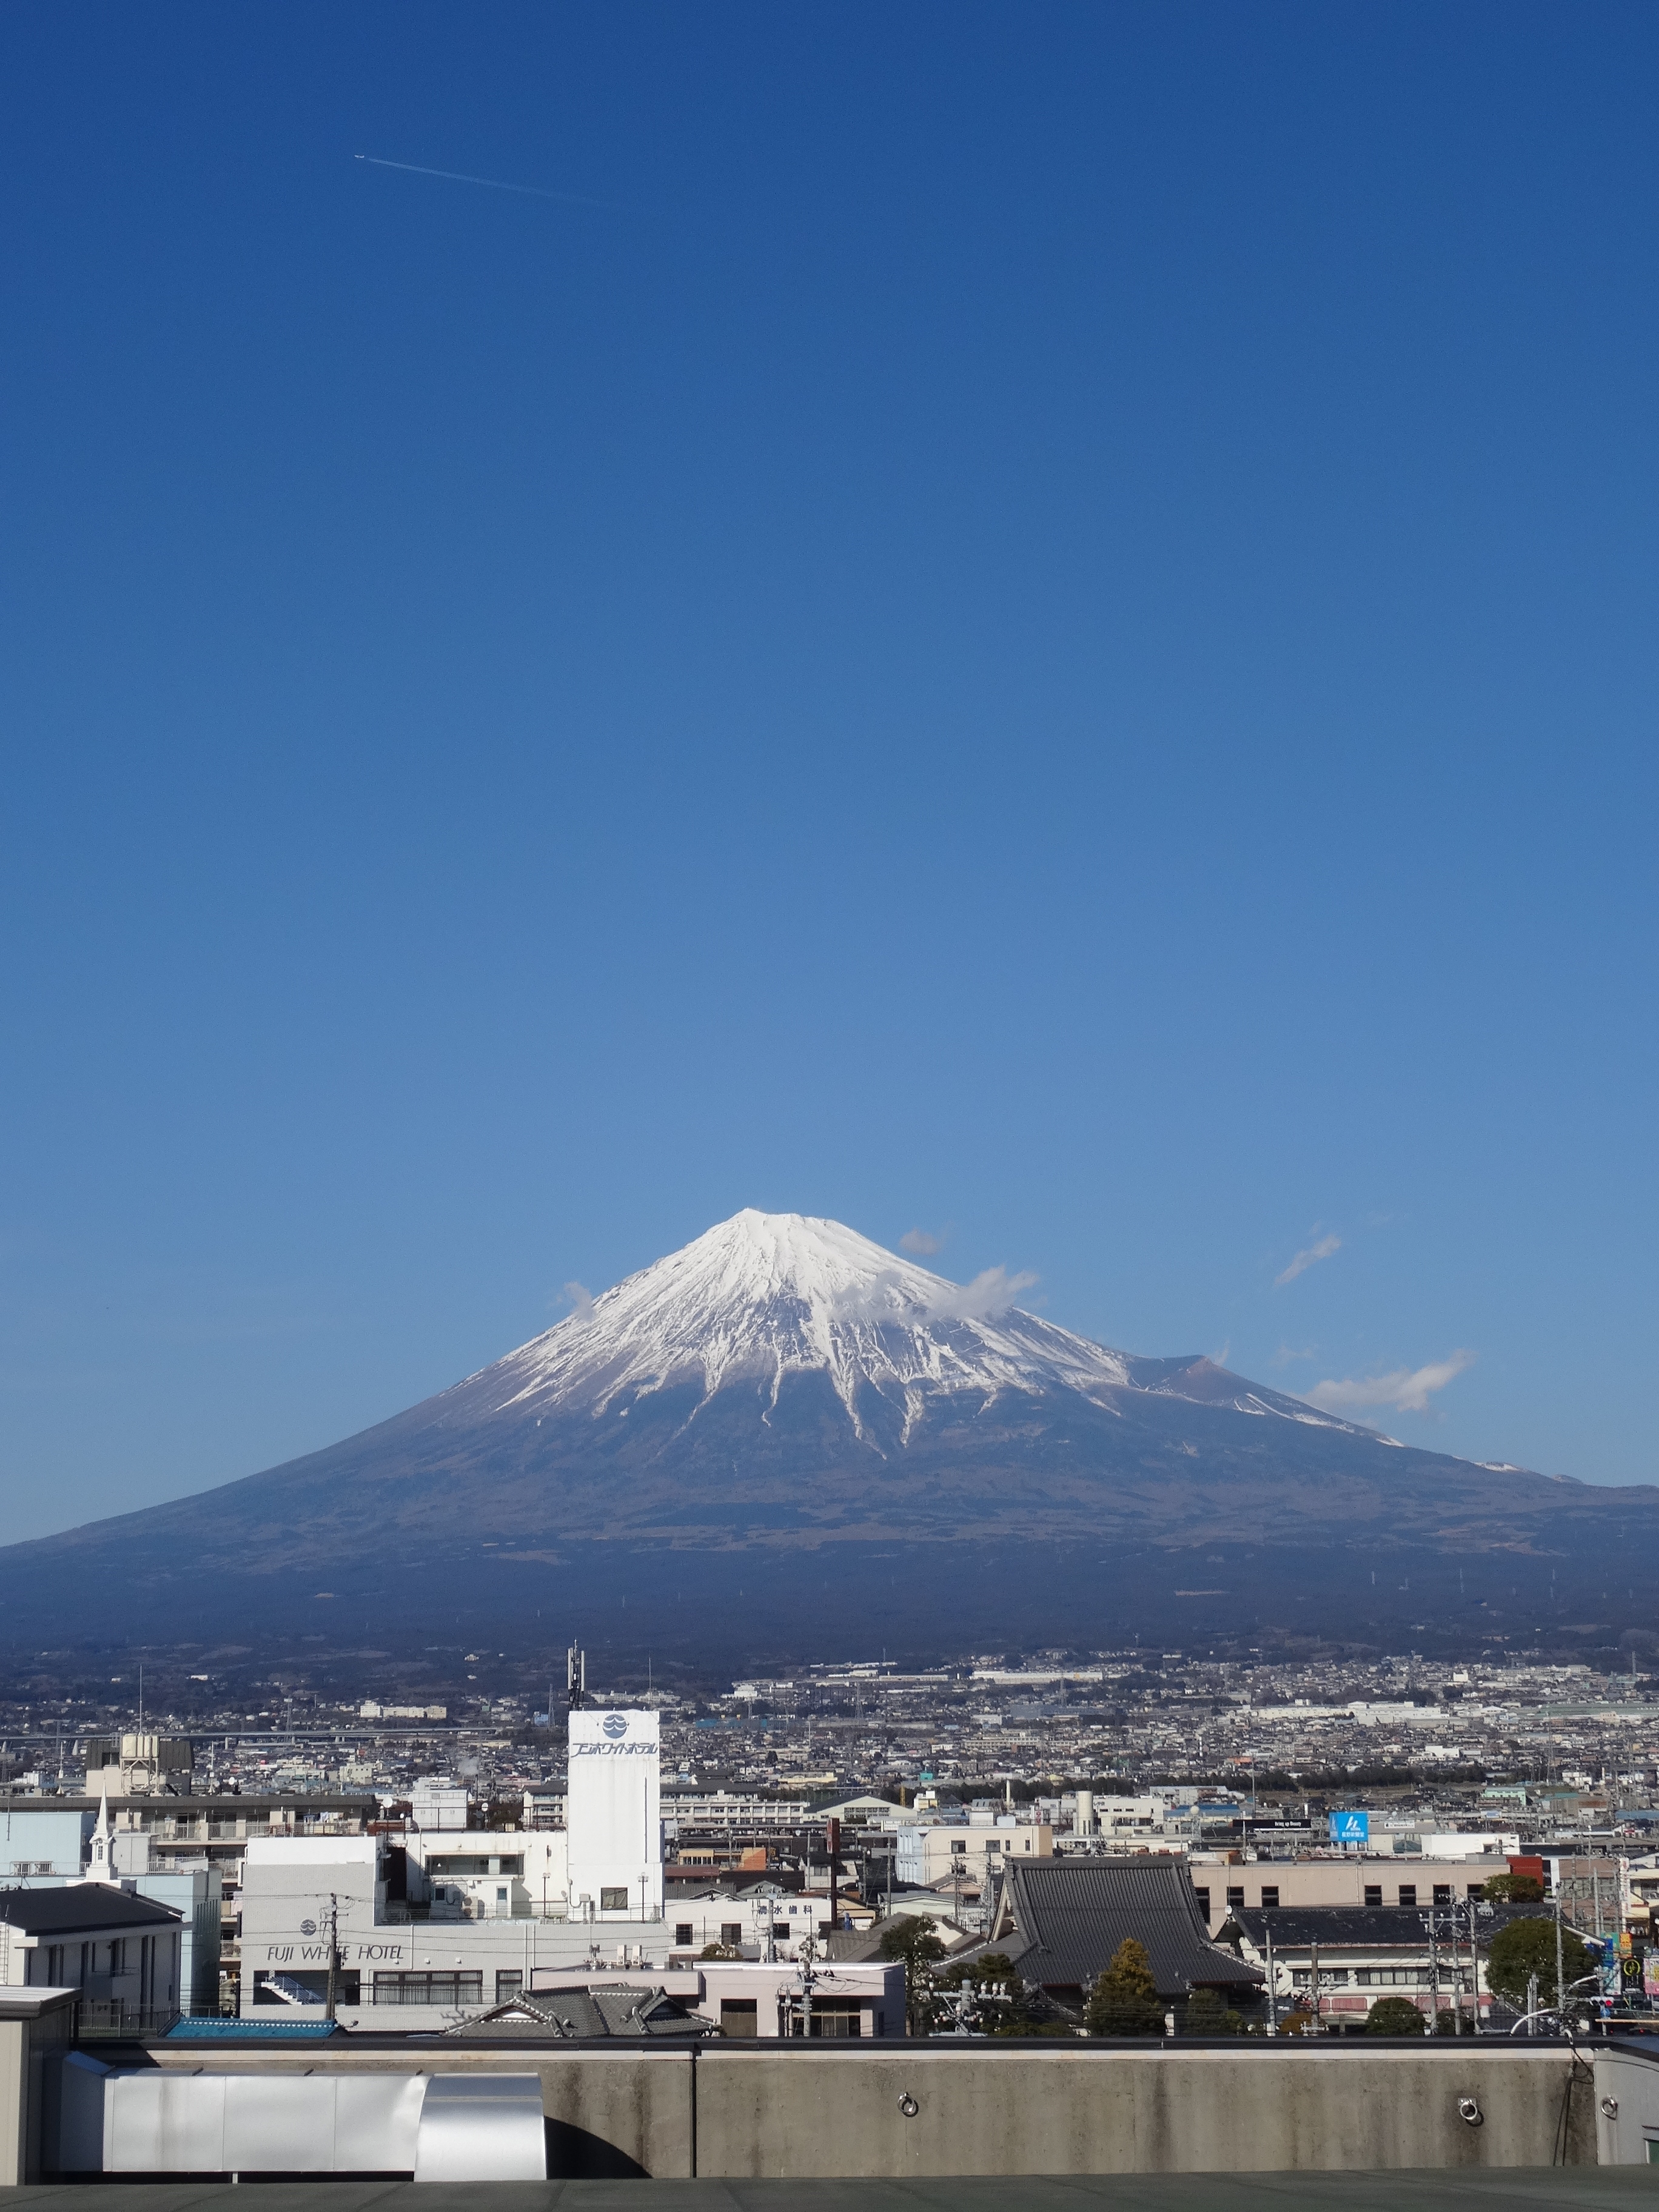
(921, 1242)
(581, 1300)
(1406, 1389)
(1308, 1258)
(990, 1294)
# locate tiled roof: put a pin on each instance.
(622, 2011)
(1365, 1927)
(1072, 1915)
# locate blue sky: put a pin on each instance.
(1037, 624)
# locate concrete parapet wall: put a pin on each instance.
(738, 2111)
(1088, 2110)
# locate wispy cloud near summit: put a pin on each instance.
(1309, 1257)
(1406, 1389)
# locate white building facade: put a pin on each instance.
(613, 1816)
(477, 1916)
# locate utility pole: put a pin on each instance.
(1272, 1993)
(1560, 1972)
(1474, 1968)
(1457, 1974)
(1313, 1960)
(333, 1953)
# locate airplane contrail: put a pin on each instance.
(494, 184)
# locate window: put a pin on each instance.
(450, 1989)
(682, 1933)
(501, 1897)
(613, 1900)
(1203, 1896)
(992, 1844)
(740, 2017)
(958, 1844)
(731, 1933)
(1409, 1892)
(1443, 1893)
(1269, 1898)
(1373, 1892)
(1476, 1889)
(1234, 1897)
(509, 1980)
(833, 2016)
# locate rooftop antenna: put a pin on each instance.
(576, 1677)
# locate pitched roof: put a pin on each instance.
(80, 1906)
(1362, 1927)
(1072, 1914)
(624, 2010)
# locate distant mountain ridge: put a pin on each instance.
(785, 1410)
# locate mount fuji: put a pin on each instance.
(783, 1441)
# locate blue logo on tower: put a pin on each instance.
(1351, 1828)
(614, 1725)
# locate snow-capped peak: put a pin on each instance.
(765, 1295)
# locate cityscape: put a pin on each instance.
(827, 1258)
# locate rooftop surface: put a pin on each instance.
(80, 1906)
(1546, 2189)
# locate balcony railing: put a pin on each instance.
(109, 2019)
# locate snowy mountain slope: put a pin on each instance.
(783, 1407)
(765, 1296)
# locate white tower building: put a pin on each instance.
(613, 1816)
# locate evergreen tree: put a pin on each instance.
(1512, 1889)
(1527, 1948)
(998, 2002)
(1394, 2016)
(915, 1940)
(1208, 2014)
(1124, 2001)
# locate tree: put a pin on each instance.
(1124, 2001)
(994, 1999)
(1394, 2016)
(1512, 1889)
(1526, 1947)
(1208, 2014)
(914, 1941)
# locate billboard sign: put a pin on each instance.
(1351, 1828)
(613, 1843)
